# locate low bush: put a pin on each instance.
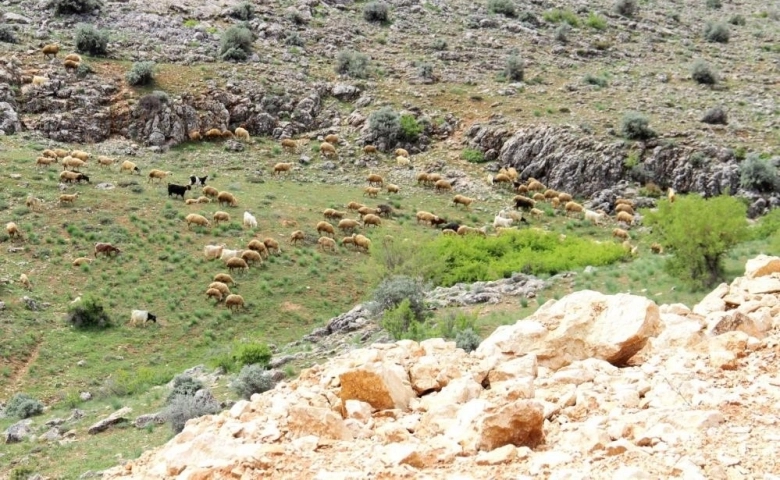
(635, 126)
(715, 116)
(502, 7)
(737, 20)
(91, 40)
(23, 406)
(87, 314)
(293, 39)
(468, 340)
(562, 33)
(472, 155)
(596, 21)
(185, 407)
(75, 6)
(760, 174)
(410, 128)
(83, 69)
(767, 226)
(702, 73)
(716, 32)
(591, 79)
(714, 4)
(557, 15)
(425, 71)
(236, 43)
(7, 34)
(377, 12)
(439, 44)
(353, 64)
(514, 70)
(252, 354)
(252, 379)
(141, 73)
(184, 385)
(394, 290)
(385, 123)
(626, 8)
(243, 11)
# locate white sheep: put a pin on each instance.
(141, 316)
(228, 254)
(212, 252)
(13, 230)
(249, 220)
(593, 217)
(25, 281)
(502, 222)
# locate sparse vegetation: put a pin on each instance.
(514, 69)
(759, 174)
(7, 34)
(377, 12)
(252, 354)
(502, 7)
(635, 126)
(23, 406)
(596, 21)
(352, 64)
(716, 32)
(75, 6)
(236, 43)
(252, 379)
(472, 155)
(88, 314)
(626, 8)
(702, 73)
(141, 73)
(243, 11)
(91, 40)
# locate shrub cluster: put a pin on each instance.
(23, 406)
(468, 340)
(714, 4)
(88, 313)
(410, 128)
(557, 15)
(385, 123)
(502, 7)
(252, 354)
(7, 34)
(716, 32)
(83, 69)
(591, 79)
(377, 12)
(184, 407)
(626, 8)
(635, 126)
(235, 44)
(353, 64)
(75, 6)
(394, 290)
(702, 73)
(562, 33)
(243, 11)
(737, 19)
(596, 21)
(91, 40)
(141, 73)
(472, 155)
(425, 71)
(293, 39)
(252, 379)
(715, 116)
(184, 385)
(760, 174)
(514, 69)
(439, 44)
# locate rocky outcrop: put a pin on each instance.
(543, 395)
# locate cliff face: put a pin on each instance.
(590, 386)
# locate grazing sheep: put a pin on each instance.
(195, 136)
(251, 257)
(332, 214)
(538, 197)
(326, 243)
(106, 249)
(625, 218)
(25, 281)
(464, 230)
(593, 217)
(372, 219)
(517, 217)
(242, 134)
(213, 134)
(259, 247)
(325, 227)
(282, 167)
(371, 191)
(51, 49)
(227, 198)
(237, 264)
(81, 261)
(297, 235)
(625, 201)
(573, 207)
(354, 206)
(49, 153)
(33, 203)
(363, 211)
(433, 178)
(443, 186)
(501, 178)
(370, 150)
(361, 241)
(129, 166)
(228, 254)
(392, 188)
(198, 220)
(203, 200)
(462, 200)
(671, 195)
(620, 233)
(212, 252)
(249, 220)
(65, 198)
(348, 241)
(550, 194)
(536, 186)
(450, 232)
(214, 293)
(327, 150)
(221, 287)
(74, 163)
(75, 57)
(400, 152)
(44, 161)
(523, 202)
(555, 202)
(70, 65)
(227, 134)
(141, 316)
(289, 145)
(384, 210)
(537, 213)
(191, 201)
(333, 139)
(520, 188)
(13, 230)
(422, 178)
(425, 217)
(624, 207)
(157, 175)
(403, 161)
(272, 244)
(656, 248)
(375, 180)
(234, 302)
(81, 155)
(61, 152)
(348, 224)
(224, 278)
(104, 161)
(210, 192)
(220, 217)
(512, 172)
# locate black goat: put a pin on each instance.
(81, 177)
(451, 226)
(384, 210)
(180, 190)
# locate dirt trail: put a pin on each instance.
(20, 374)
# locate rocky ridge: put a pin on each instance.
(590, 386)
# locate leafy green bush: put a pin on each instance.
(252, 379)
(184, 385)
(591, 79)
(87, 314)
(702, 73)
(377, 12)
(596, 21)
(502, 7)
(514, 69)
(294, 39)
(699, 233)
(439, 44)
(626, 8)
(767, 226)
(394, 290)
(385, 123)
(714, 4)
(75, 6)
(760, 174)
(635, 126)
(7, 34)
(556, 15)
(715, 116)
(91, 40)
(252, 353)
(184, 407)
(716, 32)
(353, 64)
(236, 43)
(468, 340)
(22, 473)
(23, 406)
(401, 322)
(243, 11)
(737, 19)
(410, 128)
(83, 69)
(141, 73)
(472, 155)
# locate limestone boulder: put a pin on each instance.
(762, 265)
(378, 384)
(322, 422)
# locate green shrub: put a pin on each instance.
(557, 15)
(184, 407)
(401, 322)
(236, 43)
(716, 32)
(410, 128)
(714, 4)
(502, 7)
(514, 69)
(377, 12)
(562, 33)
(439, 44)
(767, 226)
(243, 11)
(425, 71)
(760, 174)
(252, 379)
(23, 406)
(634, 126)
(626, 8)
(596, 21)
(715, 116)
(251, 354)
(472, 155)
(385, 123)
(737, 19)
(184, 385)
(141, 73)
(75, 6)
(22, 473)
(353, 64)
(394, 290)
(83, 70)
(591, 79)
(294, 39)
(7, 34)
(702, 73)
(468, 340)
(91, 40)
(87, 314)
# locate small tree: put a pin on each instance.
(91, 40)
(410, 128)
(702, 73)
(141, 73)
(87, 313)
(385, 123)
(377, 12)
(699, 233)
(634, 126)
(235, 44)
(514, 69)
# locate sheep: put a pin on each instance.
(372, 219)
(51, 49)
(536, 186)
(433, 178)
(13, 230)
(259, 247)
(333, 139)
(326, 243)
(325, 227)
(425, 217)
(227, 254)
(227, 134)
(537, 213)
(282, 167)
(156, 174)
(251, 257)
(464, 230)
(512, 172)
(242, 134)
(656, 248)
(384, 210)
(620, 233)
(141, 316)
(33, 203)
(550, 194)
(361, 241)
(74, 163)
(499, 221)
(443, 185)
(297, 235)
(249, 220)
(65, 198)
(363, 211)
(624, 207)
(213, 134)
(227, 198)
(348, 224)
(210, 192)
(375, 180)
(501, 178)
(370, 150)
(104, 161)
(49, 153)
(214, 293)
(625, 218)
(422, 178)
(354, 206)
(70, 65)
(81, 155)
(463, 200)
(106, 249)
(538, 197)
(202, 199)
(75, 57)
(555, 202)
(129, 166)
(625, 201)
(234, 302)
(521, 188)
(348, 241)
(523, 202)
(44, 161)
(400, 152)
(221, 287)
(191, 201)
(272, 244)
(371, 191)
(327, 150)
(449, 232)
(330, 213)
(81, 261)
(573, 207)
(224, 278)
(198, 220)
(60, 152)
(593, 217)
(195, 136)
(290, 145)
(212, 252)
(671, 195)
(237, 264)
(220, 217)
(403, 161)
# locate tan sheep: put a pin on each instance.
(234, 302)
(565, 198)
(427, 217)
(81, 261)
(198, 220)
(327, 150)
(191, 201)
(371, 191)
(549, 194)
(501, 178)
(348, 224)
(594, 217)
(33, 203)
(282, 167)
(156, 174)
(624, 207)
(227, 198)
(252, 257)
(355, 206)
(400, 152)
(237, 264)
(75, 57)
(13, 230)
(49, 153)
(289, 145)
(370, 150)
(625, 218)
(221, 287)
(195, 136)
(202, 199)
(227, 134)
(538, 197)
(224, 278)
(296, 236)
(81, 155)
(213, 134)
(210, 192)
(521, 189)
(625, 201)
(442, 186)
(392, 188)
(325, 227)
(536, 186)
(104, 161)
(65, 198)
(620, 233)
(656, 248)
(463, 200)
(450, 232)
(25, 281)
(512, 172)
(129, 166)
(73, 163)
(403, 161)
(220, 217)
(61, 152)
(259, 247)
(332, 214)
(44, 161)
(555, 202)
(366, 210)
(272, 245)
(433, 178)
(537, 213)
(573, 207)
(70, 65)
(465, 230)
(347, 241)
(212, 252)
(372, 219)
(242, 134)
(422, 178)
(361, 241)
(326, 243)
(51, 49)
(375, 180)
(333, 139)
(214, 293)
